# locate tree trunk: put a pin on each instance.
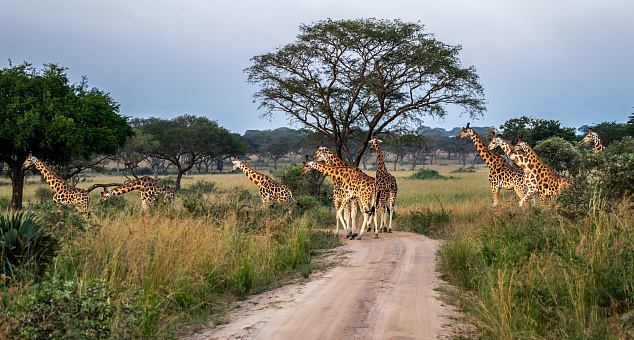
(17, 184)
(178, 179)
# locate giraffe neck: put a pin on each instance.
(380, 163)
(254, 176)
(483, 149)
(532, 156)
(126, 187)
(333, 160)
(598, 146)
(330, 171)
(506, 146)
(53, 180)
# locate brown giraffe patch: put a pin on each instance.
(64, 192)
(149, 191)
(501, 174)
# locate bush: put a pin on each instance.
(204, 187)
(44, 194)
(313, 183)
(429, 174)
(64, 309)
(25, 247)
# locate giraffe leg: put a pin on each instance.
(366, 219)
(520, 190)
(392, 204)
(346, 214)
(376, 226)
(337, 216)
(352, 230)
(495, 189)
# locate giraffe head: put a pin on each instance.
(465, 132)
(105, 195)
(308, 165)
(30, 160)
(495, 142)
(589, 137)
(374, 142)
(522, 146)
(236, 164)
(322, 153)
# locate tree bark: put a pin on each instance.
(17, 185)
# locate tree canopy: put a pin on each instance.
(186, 140)
(533, 130)
(43, 113)
(369, 74)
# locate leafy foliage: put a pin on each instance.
(43, 113)
(559, 154)
(533, 130)
(313, 183)
(428, 174)
(25, 247)
(71, 310)
(329, 82)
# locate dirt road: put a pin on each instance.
(382, 289)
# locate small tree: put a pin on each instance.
(559, 154)
(184, 141)
(43, 113)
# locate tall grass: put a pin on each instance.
(533, 274)
(188, 261)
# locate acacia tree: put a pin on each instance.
(43, 113)
(367, 73)
(184, 141)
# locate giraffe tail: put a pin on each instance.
(298, 204)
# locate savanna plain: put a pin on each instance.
(512, 273)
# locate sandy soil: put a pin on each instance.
(382, 289)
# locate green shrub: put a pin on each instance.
(25, 247)
(64, 309)
(429, 174)
(44, 194)
(204, 187)
(313, 183)
(464, 170)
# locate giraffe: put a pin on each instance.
(357, 184)
(64, 192)
(149, 189)
(339, 193)
(593, 137)
(386, 184)
(501, 173)
(550, 183)
(268, 188)
(521, 159)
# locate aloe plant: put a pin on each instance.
(24, 243)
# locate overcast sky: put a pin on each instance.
(572, 61)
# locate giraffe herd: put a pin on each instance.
(352, 187)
